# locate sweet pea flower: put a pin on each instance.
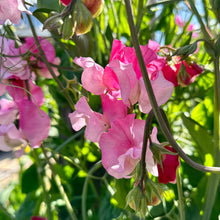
(12, 67)
(49, 51)
(34, 123)
(12, 10)
(38, 218)
(170, 164)
(95, 122)
(10, 138)
(19, 94)
(8, 111)
(182, 73)
(121, 147)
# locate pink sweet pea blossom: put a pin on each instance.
(19, 94)
(34, 123)
(92, 76)
(12, 67)
(121, 147)
(10, 138)
(95, 122)
(179, 21)
(49, 51)
(8, 111)
(11, 9)
(170, 164)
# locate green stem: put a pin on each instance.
(46, 195)
(144, 148)
(214, 179)
(46, 62)
(3, 209)
(153, 101)
(85, 187)
(59, 186)
(140, 14)
(180, 195)
(206, 34)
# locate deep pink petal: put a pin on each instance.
(33, 123)
(112, 108)
(170, 165)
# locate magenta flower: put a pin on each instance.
(12, 10)
(182, 77)
(170, 165)
(12, 67)
(8, 111)
(49, 51)
(179, 21)
(95, 122)
(38, 218)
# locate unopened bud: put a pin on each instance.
(182, 76)
(68, 27)
(83, 18)
(95, 6)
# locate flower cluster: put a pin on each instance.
(120, 85)
(22, 121)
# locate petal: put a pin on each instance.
(8, 111)
(162, 88)
(119, 153)
(33, 123)
(112, 108)
(126, 78)
(92, 76)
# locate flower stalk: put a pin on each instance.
(153, 101)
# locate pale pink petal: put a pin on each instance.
(33, 123)
(78, 120)
(119, 153)
(8, 111)
(9, 10)
(10, 138)
(2, 88)
(126, 78)
(162, 88)
(92, 76)
(22, 7)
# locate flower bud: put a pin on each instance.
(82, 17)
(182, 76)
(53, 22)
(68, 27)
(94, 6)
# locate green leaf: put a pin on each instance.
(30, 181)
(200, 136)
(26, 209)
(51, 4)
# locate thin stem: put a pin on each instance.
(153, 101)
(162, 3)
(144, 148)
(206, 33)
(140, 14)
(180, 195)
(214, 179)
(59, 186)
(46, 195)
(46, 62)
(3, 209)
(85, 187)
